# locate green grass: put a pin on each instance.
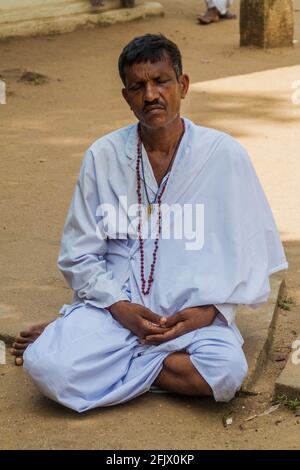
(285, 303)
(292, 405)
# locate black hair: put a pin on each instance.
(152, 48)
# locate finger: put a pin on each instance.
(162, 338)
(163, 321)
(173, 320)
(153, 317)
(151, 329)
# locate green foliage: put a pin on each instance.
(292, 405)
(285, 303)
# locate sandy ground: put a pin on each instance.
(44, 130)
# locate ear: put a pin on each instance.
(184, 82)
(125, 95)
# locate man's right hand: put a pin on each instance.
(138, 319)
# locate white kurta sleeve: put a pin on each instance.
(227, 312)
(82, 254)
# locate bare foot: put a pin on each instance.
(211, 16)
(25, 338)
(228, 16)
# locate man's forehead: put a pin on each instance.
(148, 68)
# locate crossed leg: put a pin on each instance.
(180, 376)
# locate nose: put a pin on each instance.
(151, 92)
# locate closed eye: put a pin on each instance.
(161, 80)
(136, 87)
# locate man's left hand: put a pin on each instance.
(182, 322)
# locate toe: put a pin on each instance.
(203, 20)
(17, 352)
(22, 340)
(25, 334)
(228, 16)
(20, 346)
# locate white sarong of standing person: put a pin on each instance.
(221, 5)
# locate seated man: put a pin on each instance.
(216, 10)
(154, 299)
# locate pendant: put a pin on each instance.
(149, 210)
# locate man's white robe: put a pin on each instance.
(221, 5)
(86, 359)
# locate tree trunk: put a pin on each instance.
(266, 23)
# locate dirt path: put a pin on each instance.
(44, 130)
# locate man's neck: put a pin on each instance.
(162, 140)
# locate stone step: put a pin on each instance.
(65, 19)
(256, 327)
(29, 10)
(288, 382)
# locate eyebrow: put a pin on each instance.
(163, 75)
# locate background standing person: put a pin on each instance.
(216, 10)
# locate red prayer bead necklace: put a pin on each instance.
(146, 290)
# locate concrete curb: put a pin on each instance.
(288, 382)
(257, 328)
(70, 22)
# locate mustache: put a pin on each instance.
(150, 104)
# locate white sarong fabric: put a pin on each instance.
(221, 5)
(86, 359)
